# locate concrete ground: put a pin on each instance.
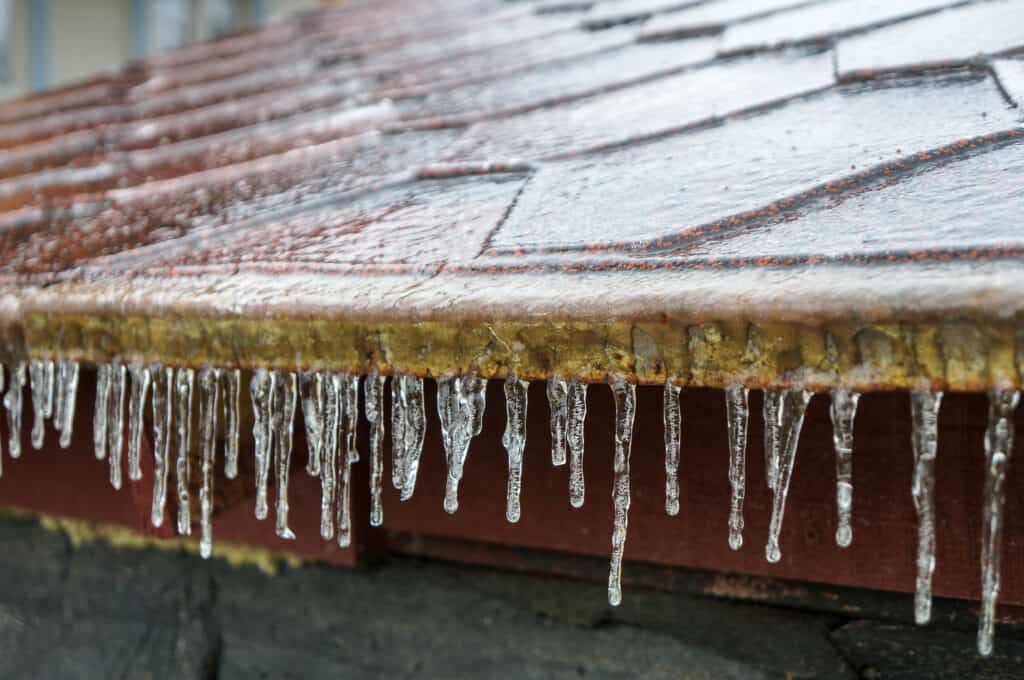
(95, 611)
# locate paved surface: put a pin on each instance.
(101, 612)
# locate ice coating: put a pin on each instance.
(163, 400)
(184, 379)
(40, 373)
(998, 449)
(140, 380)
(13, 404)
(231, 392)
(331, 421)
(673, 422)
(64, 409)
(261, 389)
(283, 419)
(772, 425)
(558, 403)
(414, 431)
(460, 408)
(843, 412)
(209, 389)
(737, 415)
(514, 441)
(373, 403)
(576, 415)
(311, 391)
(792, 406)
(924, 414)
(115, 422)
(625, 412)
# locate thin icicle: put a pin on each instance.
(673, 420)
(924, 414)
(373, 403)
(460, 406)
(40, 374)
(514, 441)
(998, 449)
(772, 425)
(283, 413)
(843, 412)
(558, 403)
(102, 408)
(64, 410)
(625, 412)
(13, 401)
(415, 431)
(737, 414)
(348, 406)
(399, 418)
(58, 394)
(332, 387)
(311, 391)
(792, 407)
(231, 379)
(115, 423)
(184, 379)
(136, 410)
(576, 416)
(163, 399)
(261, 389)
(209, 382)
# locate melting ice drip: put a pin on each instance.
(330, 409)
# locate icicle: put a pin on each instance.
(514, 441)
(772, 426)
(262, 390)
(115, 423)
(673, 420)
(373, 403)
(283, 413)
(844, 409)
(348, 408)
(924, 410)
(99, 420)
(184, 379)
(209, 381)
(737, 415)
(625, 411)
(163, 398)
(311, 390)
(998, 449)
(460, 406)
(415, 431)
(330, 423)
(576, 416)
(13, 404)
(41, 378)
(58, 394)
(558, 403)
(2, 374)
(64, 410)
(232, 381)
(792, 406)
(136, 407)
(399, 418)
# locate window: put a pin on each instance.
(6, 30)
(223, 16)
(170, 24)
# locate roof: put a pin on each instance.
(766, 192)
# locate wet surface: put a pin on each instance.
(711, 17)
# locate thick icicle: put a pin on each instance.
(398, 421)
(231, 391)
(163, 399)
(843, 412)
(460, 406)
(40, 373)
(576, 416)
(924, 414)
(673, 420)
(792, 407)
(184, 379)
(737, 415)
(373, 403)
(261, 389)
(348, 406)
(99, 420)
(415, 429)
(998, 449)
(115, 423)
(13, 403)
(283, 413)
(330, 423)
(64, 409)
(772, 426)
(136, 409)
(311, 391)
(209, 381)
(558, 403)
(625, 411)
(514, 441)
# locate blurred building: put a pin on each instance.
(45, 43)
